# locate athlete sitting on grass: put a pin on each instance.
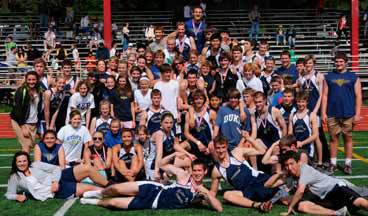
(186, 191)
(43, 181)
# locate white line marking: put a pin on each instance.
(10, 155)
(65, 207)
(5, 167)
(353, 177)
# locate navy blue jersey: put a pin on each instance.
(290, 71)
(302, 130)
(197, 32)
(183, 47)
(341, 94)
(228, 120)
(175, 196)
(311, 87)
(49, 155)
(267, 130)
(286, 111)
(127, 157)
(122, 105)
(244, 178)
(153, 120)
(168, 144)
(203, 128)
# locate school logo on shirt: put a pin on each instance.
(232, 118)
(74, 139)
(340, 82)
(83, 106)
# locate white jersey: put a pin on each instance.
(170, 92)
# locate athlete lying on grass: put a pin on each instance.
(43, 181)
(188, 190)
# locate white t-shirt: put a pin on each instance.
(72, 140)
(82, 104)
(43, 191)
(75, 54)
(33, 111)
(143, 101)
(170, 92)
(254, 83)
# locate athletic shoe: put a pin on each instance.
(93, 194)
(342, 212)
(348, 170)
(85, 201)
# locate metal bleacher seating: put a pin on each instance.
(312, 32)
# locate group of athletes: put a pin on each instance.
(119, 137)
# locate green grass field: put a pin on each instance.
(31, 207)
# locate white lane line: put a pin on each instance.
(353, 177)
(65, 207)
(10, 155)
(5, 167)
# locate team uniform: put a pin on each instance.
(310, 85)
(302, 129)
(153, 195)
(267, 129)
(266, 81)
(127, 157)
(286, 111)
(58, 101)
(168, 148)
(244, 178)
(49, 155)
(154, 120)
(103, 125)
(183, 46)
(202, 132)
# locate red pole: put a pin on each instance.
(355, 35)
(107, 23)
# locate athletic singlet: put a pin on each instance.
(127, 156)
(310, 86)
(167, 144)
(49, 155)
(203, 127)
(266, 81)
(214, 59)
(267, 130)
(154, 120)
(103, 125)
(174, 196)
(56, 98)
(238, 174)
(70, 83)
(286, 112)
(183, 47)
(44, 84)
(302, 129)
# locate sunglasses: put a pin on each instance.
(98, 138)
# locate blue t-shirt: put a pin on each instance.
(198, 37)
(341, 94)
(228, 120)
(156, 72)
(112, 139)
(291, 70)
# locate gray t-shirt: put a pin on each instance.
(318, 183)
(161, 45)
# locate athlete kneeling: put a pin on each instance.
(186, 191)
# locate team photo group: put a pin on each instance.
(191, 119)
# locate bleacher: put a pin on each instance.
(312, 31)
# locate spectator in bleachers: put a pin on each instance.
(186, 12)
(291, 35)
(9, 43)
(125, 38)
(195, 27)
(60, 52)
(280, 35)
(102, 52)
(90, 61)
(49, 39)
(342, 28)
(76, 58)
(365, 21)
(95, 39)
(286, 67)
(24, 116)
(21, 58)
(84, 24)
(149, 33)
(341, 104)
(11, 58)
(113, 50)
(254, 17)
(32, 52)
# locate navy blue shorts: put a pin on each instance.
(67, 185)
(256, 191)
(147, 194)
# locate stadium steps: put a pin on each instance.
(6, 130)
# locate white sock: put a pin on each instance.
(85, 201)
(348, 161)
(333, 161)
(93, 194)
